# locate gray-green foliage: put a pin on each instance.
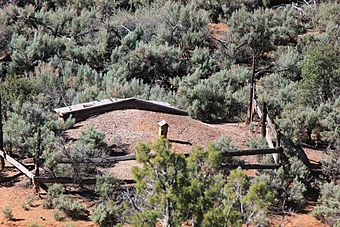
(23, 123)
(320, 73)
(325, 14)
(61, 52)
(106, 186)
(78, 52)
(215, 98)
(308, 124)
(56, 199)
(92, 143)
(106, 212)
(242, 202)
(53, 193)
(329, 209)
(7, 212)
(289, 183)
(72, 208)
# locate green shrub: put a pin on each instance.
(320, 73)
(195, 188)
(325, 14)
(91, 143)
(33, 225)
(104, 214)
(257, 143)
(7, 211)
(28, 203)
(329, 209)
(71, 208)
(106, 186)
(53, 193)
(331, 167)
(207, 101)
(70, 224)
(58, 216)
(25, 206)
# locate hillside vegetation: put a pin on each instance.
(57, 53)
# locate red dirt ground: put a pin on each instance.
(218, 30)
(133, 126)
(15, 193)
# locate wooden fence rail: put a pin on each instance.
(17, 165)
(70, 180)
(22, 168)
(89, 181)
(108, 160)
(39, 181)
(274, 150)
(100, 160)
(271, 129)
(253, 166)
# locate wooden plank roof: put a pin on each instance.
(83, 111)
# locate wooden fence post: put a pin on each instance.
(163, 128)
(2, 160)
(36, 162)
(37, 153)
(278, 138)
(264, 120)
(36, 184)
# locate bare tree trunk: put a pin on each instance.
(166, 219)
(252, 91)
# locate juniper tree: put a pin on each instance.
(174, 189)
(161, 182)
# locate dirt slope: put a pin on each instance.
(129, 127)
(14, 193)
(134, 126)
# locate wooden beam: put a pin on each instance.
(273, 150)
(17, 165)
(83, 111)
(70, 180)
(248, 152)
(101, 160)
(253, 152)
(253, 166)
